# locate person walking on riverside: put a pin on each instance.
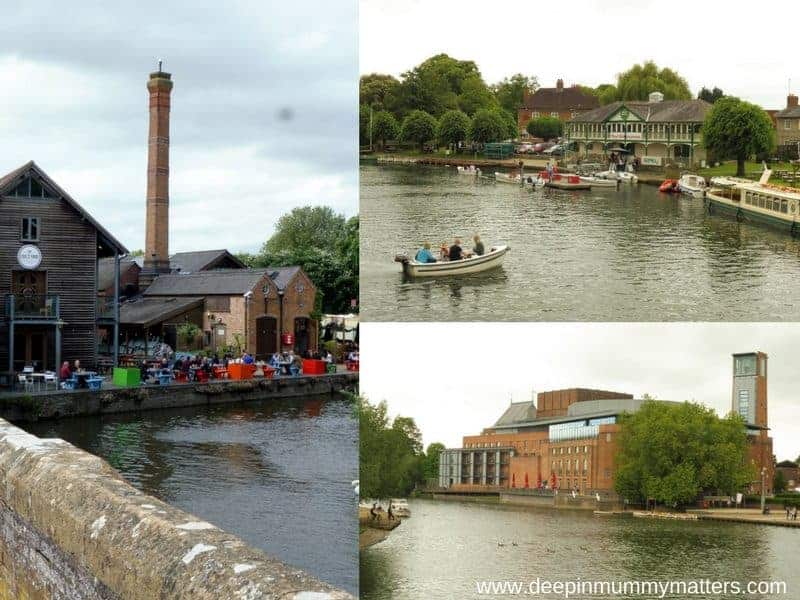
(390, 513)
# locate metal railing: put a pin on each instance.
(32, 307)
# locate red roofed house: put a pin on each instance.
(561, 102)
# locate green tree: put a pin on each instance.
(779, 483)
(418, 127)
(638, 82)
(378, 91)
(475, 94)
(509, 121)
(545, 127)
(307, 227)
(710, 96)
(384, 127)
(673, 452)
(486, 126)
(137, 252)
(606, 93)
(737, 129)
(390, 454)
(511, 91)
(363, 124)
(434, 85)
(430, 466)
(453, 127)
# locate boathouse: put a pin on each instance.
(658, 131)
(51, 247)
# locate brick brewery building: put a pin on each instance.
(568, 439)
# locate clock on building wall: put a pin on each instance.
(29, 257)
(265, 290)
(300, 288)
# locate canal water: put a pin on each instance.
(445, 547)
(603, 255)
(277, 474)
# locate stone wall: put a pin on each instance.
(78, 403)
(71, 527)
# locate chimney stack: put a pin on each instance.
(156, 253)
(791, 101)
(560, 85)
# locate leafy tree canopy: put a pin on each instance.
(435, 85)
(509, 123)
(545, 127)
(710, 96)
(307, 227)
(511, 91)
(378, 90)
(419, 127)
(779, 482)
(673, 452)
(453, 127)
(487, 126)
(737, 129)
(430, 467)
(638, 82)
(475, 94)
(384, 126)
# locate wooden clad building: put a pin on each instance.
(49, 252)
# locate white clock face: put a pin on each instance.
(29, 256)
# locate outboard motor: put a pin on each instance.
(401, 258)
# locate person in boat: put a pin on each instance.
(456, 252)
(478, 249)
(424, 254)
(444, 252)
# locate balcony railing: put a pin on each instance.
(32, 307)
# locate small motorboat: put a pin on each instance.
(470, 170)
(400, 507)
(567, 181)
(599, 182)
(535, 181)
(465, 266)
(508, 178)
(621, 176)
(692, 185)
(669, 186)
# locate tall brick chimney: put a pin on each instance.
(791, 101)
(156, 246)
(560, 85)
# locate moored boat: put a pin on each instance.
(400, 507)
(470, 170)
(692, 185)
(599, 182)
(621, 176)
(669, 186)
(508, 178)
(567, 181)
(756, 202)
(465, 266)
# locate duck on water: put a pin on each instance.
(452, 261)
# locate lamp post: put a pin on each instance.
(763, 490)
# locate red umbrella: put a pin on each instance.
(526, 480)
(553, 481)
(539, 481)
(513, 480)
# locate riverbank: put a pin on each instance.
(37, 406)
(752, 516)
(371, 530)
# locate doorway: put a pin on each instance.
(302, 328)
(266, 337)
(34, 348)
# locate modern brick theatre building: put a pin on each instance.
(569, 438)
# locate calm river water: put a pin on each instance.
(445, 547)
(277, 473)
(628, 255)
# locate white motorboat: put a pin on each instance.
(465, 266)
(692, 185)
(600, 182)
(621, 176)
(400, 507)
(507, 178)
(470, 170)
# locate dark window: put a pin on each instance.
(31, 188)
(218, 303)
(30, 229)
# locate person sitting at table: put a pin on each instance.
(143, 371)
(247, 359)
(456, 252)
(65, 372)
(77, 367)
(478, 249)
(215, 360)
(424, 254)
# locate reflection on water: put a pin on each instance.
(445, 547)
(276, 473)
(632, 254)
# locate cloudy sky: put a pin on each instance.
(456, 379)
(263, 109)
(749, 54)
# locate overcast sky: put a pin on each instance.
(73, 78)
(456, 379)
(750, 54)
